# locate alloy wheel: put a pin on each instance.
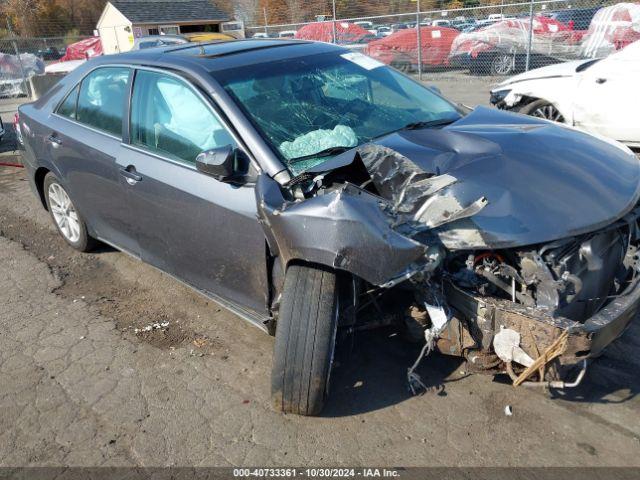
(502, 64)
(549, 112)
(64, 213)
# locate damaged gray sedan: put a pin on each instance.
(310, 190)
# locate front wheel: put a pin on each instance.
(65, 216)
(543, 109)
(305, 340)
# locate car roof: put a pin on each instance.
(220, 55)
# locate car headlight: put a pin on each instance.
(498, 96)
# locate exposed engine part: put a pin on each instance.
(561, 384)
(573, 277)
(438, 318)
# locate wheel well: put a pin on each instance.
(320, 266)
(349, 286)
(39, 181)
(526, 100)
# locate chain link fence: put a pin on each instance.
(21, 58)
(496, 40)
(458, 40)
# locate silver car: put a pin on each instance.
(311, 189)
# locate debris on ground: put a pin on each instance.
(153, 326)
(200, 342)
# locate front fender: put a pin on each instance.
(557, 91)
(345, 229)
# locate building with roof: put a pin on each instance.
(124, 20)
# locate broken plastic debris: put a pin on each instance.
(153, 326)
(437, 316)
(200, 342)
(318, 140)
(506, 344)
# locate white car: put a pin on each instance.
(287, 34)
(599, 96)
(63, 67)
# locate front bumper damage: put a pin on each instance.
(476, 321)
(377, 215)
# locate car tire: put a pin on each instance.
(405, 68)
(66, 218)
(305, 340)
(502, 64)
(542, 109)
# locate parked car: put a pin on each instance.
(384, 31)
(596, 95)
(367, 25)
(311, 189)
(441, 23)
(399, 26)
(49, 53)
(198, 37)
(14, 69)
(500, 48)
(264, 35)
(612, 28)
(63, 67)
(574, 18)
(463, 25)
(400, 49)
(83, 49)
(346, 33)
(287, 34)
(152, 41)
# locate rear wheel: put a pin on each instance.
(305, 340)
(543, 109)
(502, 64)
(404, 67)
(65, 216)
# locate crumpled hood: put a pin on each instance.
(541, 181)
(565, 69)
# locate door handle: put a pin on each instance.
(53, 138)
(600, 81)
(130, 174)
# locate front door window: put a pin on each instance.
(168, 118)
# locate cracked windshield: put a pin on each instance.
(319, 107)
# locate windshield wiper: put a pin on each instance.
(418, 125)
(327, 152)
(428, 124)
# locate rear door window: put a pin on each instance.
(68, 107)
(170, 119)
(101, 102)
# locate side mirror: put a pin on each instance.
(218, 163)
(433, 88)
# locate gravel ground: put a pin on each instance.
(80, 387)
